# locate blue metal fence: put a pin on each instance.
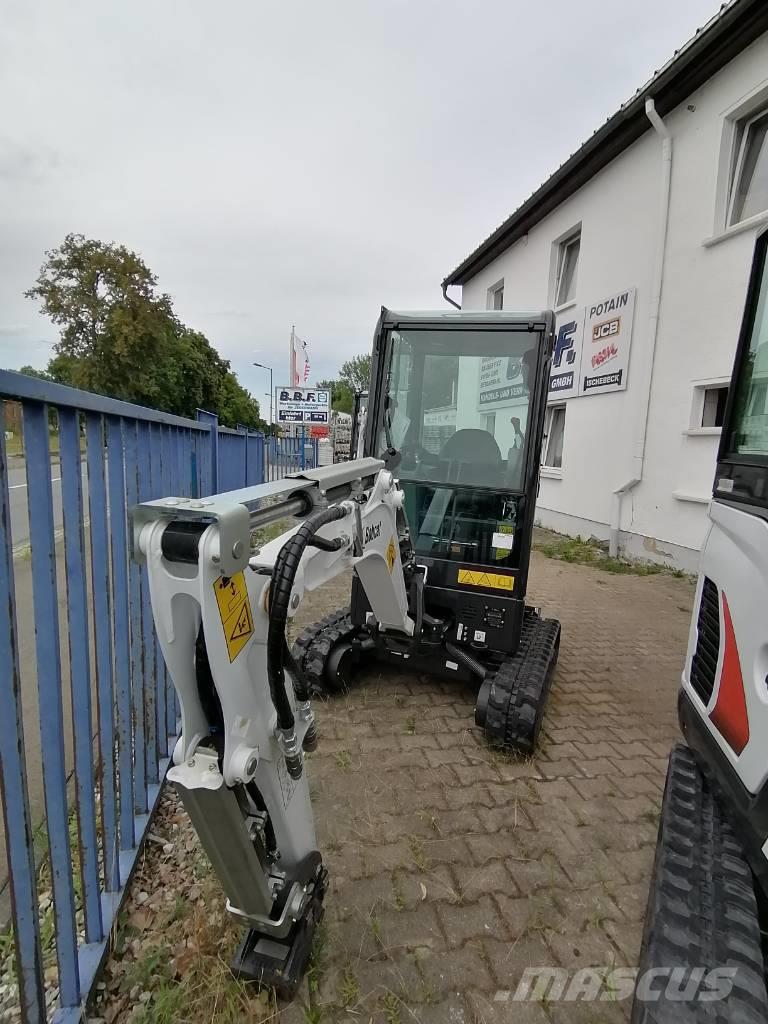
(110, 691)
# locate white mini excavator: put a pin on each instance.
(448, 598)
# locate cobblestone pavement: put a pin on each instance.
(454, 868)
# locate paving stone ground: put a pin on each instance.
(454, 868)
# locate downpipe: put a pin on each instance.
(447, 297)
(644, 392)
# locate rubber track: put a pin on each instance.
(313, 647)
(520, 687)
(702, 910)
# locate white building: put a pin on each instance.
(642, 242)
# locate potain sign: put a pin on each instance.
(591, 352)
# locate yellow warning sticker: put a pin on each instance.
(390, 556)
(478, 578)
(235, 611)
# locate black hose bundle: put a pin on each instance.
(283, 575)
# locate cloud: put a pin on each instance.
(299, 163)
(26, 164)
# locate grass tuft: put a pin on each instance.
(592, 552)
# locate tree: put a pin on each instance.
(113, 322)
(356, 373)
(342, 396)
(121, 337)
(30, 371)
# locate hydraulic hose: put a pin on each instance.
(326, 545)
(466, 659)
(283, 576)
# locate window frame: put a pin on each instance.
(563, 245)
(700, 389)
(741, 127)
(493, 291)
(545, 468)
(734, 118)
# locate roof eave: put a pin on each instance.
(732, 31)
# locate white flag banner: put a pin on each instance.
(305, 353)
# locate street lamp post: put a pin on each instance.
(271, 389)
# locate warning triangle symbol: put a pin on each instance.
(242, 625)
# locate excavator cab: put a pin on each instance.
(456, 410)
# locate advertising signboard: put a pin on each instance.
(591, 350)
(607, 337)
(501, 382)
(565, 372)
(302, 406)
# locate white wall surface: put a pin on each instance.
(702, 301)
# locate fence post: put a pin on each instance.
(13, 778)
(49, 688)
(212, 419)
(244, 431)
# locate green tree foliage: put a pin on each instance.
(356, 373)
(342, 395)
(119, 336)
(30, 371)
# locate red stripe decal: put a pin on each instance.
(730, 712)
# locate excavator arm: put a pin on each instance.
(221, 608)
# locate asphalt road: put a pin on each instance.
(17, 494)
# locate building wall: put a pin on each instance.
(704, 284)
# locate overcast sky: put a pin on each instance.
(296, 162)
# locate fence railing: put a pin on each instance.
(88, 714)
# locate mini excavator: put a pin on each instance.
(434, 522)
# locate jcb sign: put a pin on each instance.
(606, 330)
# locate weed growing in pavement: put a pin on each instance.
(349, 987)
(418, 853)
(592, 552)
(343, 759)
(375, 925)
(391, 1007)
(397, 892)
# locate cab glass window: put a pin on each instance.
(749, 431)
(457, 405)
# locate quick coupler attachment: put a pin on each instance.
(281, 963)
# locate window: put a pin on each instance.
(567, 270)
(455, 409)
(708, 409)
(554, 432)
(496, 296)
(749, 189)
(749, 426)
(713, 406)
